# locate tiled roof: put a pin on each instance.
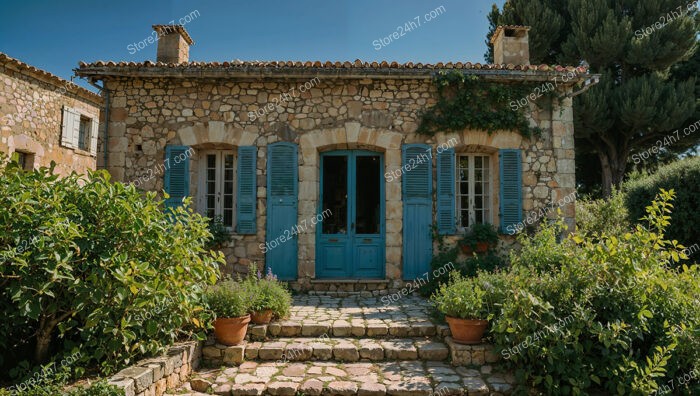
(165, 29)
(357, 64)
(351, 70)
(48, 77)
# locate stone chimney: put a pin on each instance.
(173, 43)
(510, 45)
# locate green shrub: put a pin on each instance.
(610, 216)
(605, 312)
(683, 177)
(220, 234)
(229, 299)
(464, 298)
(269, 293)
(98, 388)
(479, 233)
(84, 260)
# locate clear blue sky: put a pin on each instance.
(55, 34)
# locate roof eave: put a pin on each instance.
(101, 72)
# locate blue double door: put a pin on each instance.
(350, 236)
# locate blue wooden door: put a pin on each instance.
(282, 192)
(351, 235)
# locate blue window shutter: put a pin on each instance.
(511, 189)
(446, 192)
(246, 198)
(281, 210)
(177, 174)
(417, 195)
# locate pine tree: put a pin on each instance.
(636, 103)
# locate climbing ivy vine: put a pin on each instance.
(466, 101)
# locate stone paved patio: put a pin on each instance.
(354, 345)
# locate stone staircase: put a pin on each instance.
(353, 345)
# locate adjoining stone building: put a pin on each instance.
(45, 118)
(317, 168)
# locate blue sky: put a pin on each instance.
(55, 35)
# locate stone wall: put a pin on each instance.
(146, 114)
(31, 110)
(152, 377)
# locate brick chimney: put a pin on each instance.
(510, 45)
(173, 43)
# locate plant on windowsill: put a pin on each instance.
(230, 302)
(219, 232)
(270, 297)
(479, 238)
(465, 302)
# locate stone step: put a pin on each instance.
(372, 328)
(325, 348)
(368, 379)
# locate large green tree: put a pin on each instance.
(634, 45)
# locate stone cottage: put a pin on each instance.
(316, 167)
(45, 118)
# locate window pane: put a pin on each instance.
(228, 218)
(465, 218)
(368, 185)
(211, 161)
(335, 194)
(478, 202)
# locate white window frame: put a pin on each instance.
(219, 184)
(488, 206)
(70, 130)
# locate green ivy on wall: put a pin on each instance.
(466, 101)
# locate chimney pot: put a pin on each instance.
(173, 43)
(511, 45)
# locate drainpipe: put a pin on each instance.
(106, 140)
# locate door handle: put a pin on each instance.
(367, 240)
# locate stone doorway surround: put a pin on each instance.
(349, 137)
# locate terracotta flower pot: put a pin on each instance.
(231, 331)
(261, 317)
(481, 247)
(467, 331)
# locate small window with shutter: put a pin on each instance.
(79, 131)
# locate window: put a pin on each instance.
(84, 133)
(473, 190)
(25, 160)
(79, 130)
(216, 187)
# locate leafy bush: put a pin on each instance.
(269, 293)
(84, 260)
(229, 299)
(603, 215)
(605, 312)
(99, 388)
(219, 233)
(479, 233)
(464, 298)
(447, 259)
(682, 176)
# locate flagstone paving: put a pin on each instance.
(316, 378)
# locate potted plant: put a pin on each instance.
(270, 297)
(464, 302)
(479, 239)
(230, 303)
